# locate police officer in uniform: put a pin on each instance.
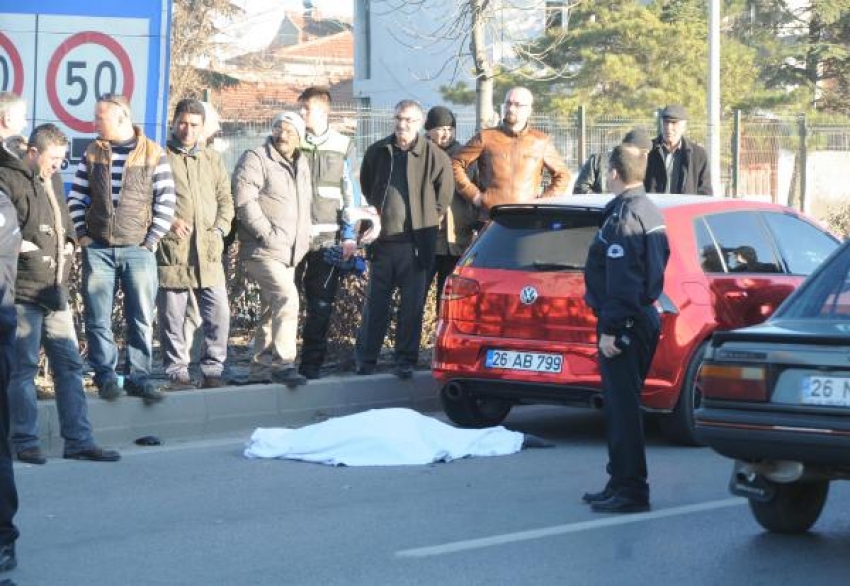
(624, 276)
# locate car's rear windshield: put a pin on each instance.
(826, 294)
(542, 239)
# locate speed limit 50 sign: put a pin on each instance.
(63, 56)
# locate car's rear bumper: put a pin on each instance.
(768, 435)
(532, 393)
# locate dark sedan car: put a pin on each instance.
(776, 398)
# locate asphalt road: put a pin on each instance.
(201, 514)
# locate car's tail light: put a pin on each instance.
(459, 287)
(733, 382)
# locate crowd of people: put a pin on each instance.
(153, 221)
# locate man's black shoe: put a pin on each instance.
(619, 504)
(213, 382)
(8, 560)
(310, 371)
(94, 454)
(148, 392)
(32, 456)
(180, 382)
(289, 377)
(595, 497)
(109, 391)
(403, 371)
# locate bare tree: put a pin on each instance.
(473, 27)
(194, 26)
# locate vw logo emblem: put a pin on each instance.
(528, 295)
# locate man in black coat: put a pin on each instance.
(409, 180)
(676, 164)
(624, 275)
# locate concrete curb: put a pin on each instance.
(197, 414)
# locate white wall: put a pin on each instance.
(408, 62)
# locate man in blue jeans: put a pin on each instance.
(41, 301)
(122, 203)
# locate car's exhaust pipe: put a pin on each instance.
(597, 401)
(454, 391)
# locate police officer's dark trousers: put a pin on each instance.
(393, 265)
(318, 282)
(622, 381)
(8, 492)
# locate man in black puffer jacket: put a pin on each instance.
(41, 300)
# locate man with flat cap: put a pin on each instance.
(676, 164)
(593, 175)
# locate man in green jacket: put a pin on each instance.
(189, 255)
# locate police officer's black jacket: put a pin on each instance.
(42, 273)
(625, 264)
(695, 177)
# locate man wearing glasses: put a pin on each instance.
(409, 180)
(511, 159)
(122, 203)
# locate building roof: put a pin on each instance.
(259, 101)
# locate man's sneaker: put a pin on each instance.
(148, 392)
(212, 382)
(93, 454)
(8, 560)
(109, 391)
(310, 371)
(180, 382)
(403, 371)
(289, 377)
(32, 456)
(365, 369)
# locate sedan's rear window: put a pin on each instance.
(535, 239)
(826, 295)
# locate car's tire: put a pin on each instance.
(470, 411)
(678, 426)
(794, 508)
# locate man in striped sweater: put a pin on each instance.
(121, 202)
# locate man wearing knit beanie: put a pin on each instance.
(272, 190)
(455, 231)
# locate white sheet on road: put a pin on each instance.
(381, 437)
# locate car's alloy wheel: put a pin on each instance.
(794, 508)
(678, 426)
(468, 410)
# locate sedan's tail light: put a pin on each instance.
(459, 287)
(733, 382)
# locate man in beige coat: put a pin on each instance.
(189, 255)
(273, 193)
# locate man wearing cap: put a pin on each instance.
(189, 255)
(593, 175)
(510, 159)
(272, 190)
(676, 164)
(455, 232)
(329, 154)
(409, 181)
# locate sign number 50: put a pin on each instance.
(104, 68)
(81, 77)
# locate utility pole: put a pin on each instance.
(714, 94)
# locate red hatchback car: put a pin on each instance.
(514, 328)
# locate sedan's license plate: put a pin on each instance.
(531, 361)
(826, 390)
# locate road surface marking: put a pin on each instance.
(482, 542)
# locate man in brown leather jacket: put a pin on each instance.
(511, 159)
